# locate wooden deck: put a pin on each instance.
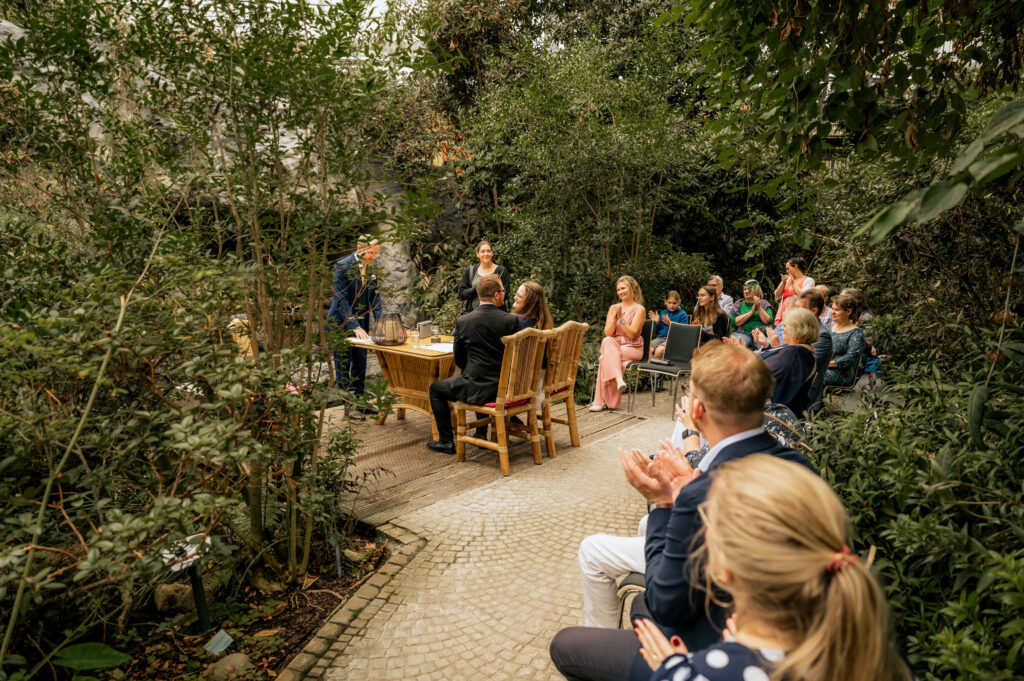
(401, 474)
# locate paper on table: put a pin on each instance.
(353, 339)
(439, 347)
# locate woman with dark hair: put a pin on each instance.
(847, 341)
(709, 316)
(793, 282)
(472, 275)
(531, 307)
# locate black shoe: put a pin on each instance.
(480, 433)
(353, 414)
(516, 419)
(441, 447)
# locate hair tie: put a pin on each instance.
(840, 559)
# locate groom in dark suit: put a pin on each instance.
(478, 353)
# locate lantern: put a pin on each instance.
(388, 330)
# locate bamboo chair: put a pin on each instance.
(560, 381)
(517, 394)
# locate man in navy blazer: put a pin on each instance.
(479, 353)
(729, 386)
(355, 305)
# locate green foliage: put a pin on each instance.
(894, 75)
(89, 656)
(998, 151)
(584, 153)
(939, 494)
(179, 168)
(929, 279)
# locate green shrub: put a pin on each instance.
(945, 509)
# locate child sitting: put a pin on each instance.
(673, 312)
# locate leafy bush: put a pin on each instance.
(943, 507)
(177, 172)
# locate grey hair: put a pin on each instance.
(715, 277)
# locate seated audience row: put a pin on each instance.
(760, 512)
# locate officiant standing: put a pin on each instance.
(355, 306)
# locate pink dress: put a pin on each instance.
(615, 352)
(790, 291)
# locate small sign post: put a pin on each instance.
(185, 556)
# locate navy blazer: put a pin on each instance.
(354, 300)
(676, 604)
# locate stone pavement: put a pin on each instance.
(480, 582)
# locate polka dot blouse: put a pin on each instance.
(728, 661)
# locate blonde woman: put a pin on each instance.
(792, 363)
(622, 343)
(805, 608)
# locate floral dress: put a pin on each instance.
(847, 347)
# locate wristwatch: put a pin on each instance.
(687, 433)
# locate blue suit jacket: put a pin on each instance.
(676, 604)
(354, 301)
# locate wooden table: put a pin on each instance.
(410, 370)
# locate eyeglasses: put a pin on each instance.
(750, 282)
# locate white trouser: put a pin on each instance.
(603, 558)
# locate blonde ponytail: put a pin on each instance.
(776, 542)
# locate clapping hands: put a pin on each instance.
(655, 648)
(658, 479)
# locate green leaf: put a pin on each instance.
(670, 16)
(742, 224)
(938, 199)
(989, 169)
(1004, 119)
(90, 656)
(885, 221)
(967, 156)
(803, 238)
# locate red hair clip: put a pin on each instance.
(840, 559)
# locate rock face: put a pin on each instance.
(174, 598)
(9, 31)
(394, 259)
(227, 667)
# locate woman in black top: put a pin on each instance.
(472, 274)
(708, 315)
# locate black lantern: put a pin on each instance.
(389, 330)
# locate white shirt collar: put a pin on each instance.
(709, 458)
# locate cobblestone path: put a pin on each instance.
(485, 578)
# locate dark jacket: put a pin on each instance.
(677, 604)
(355, 301)
(468, 292)
(479, 351)
(790, 366)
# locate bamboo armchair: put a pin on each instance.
(517, 394)
(560, 381)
